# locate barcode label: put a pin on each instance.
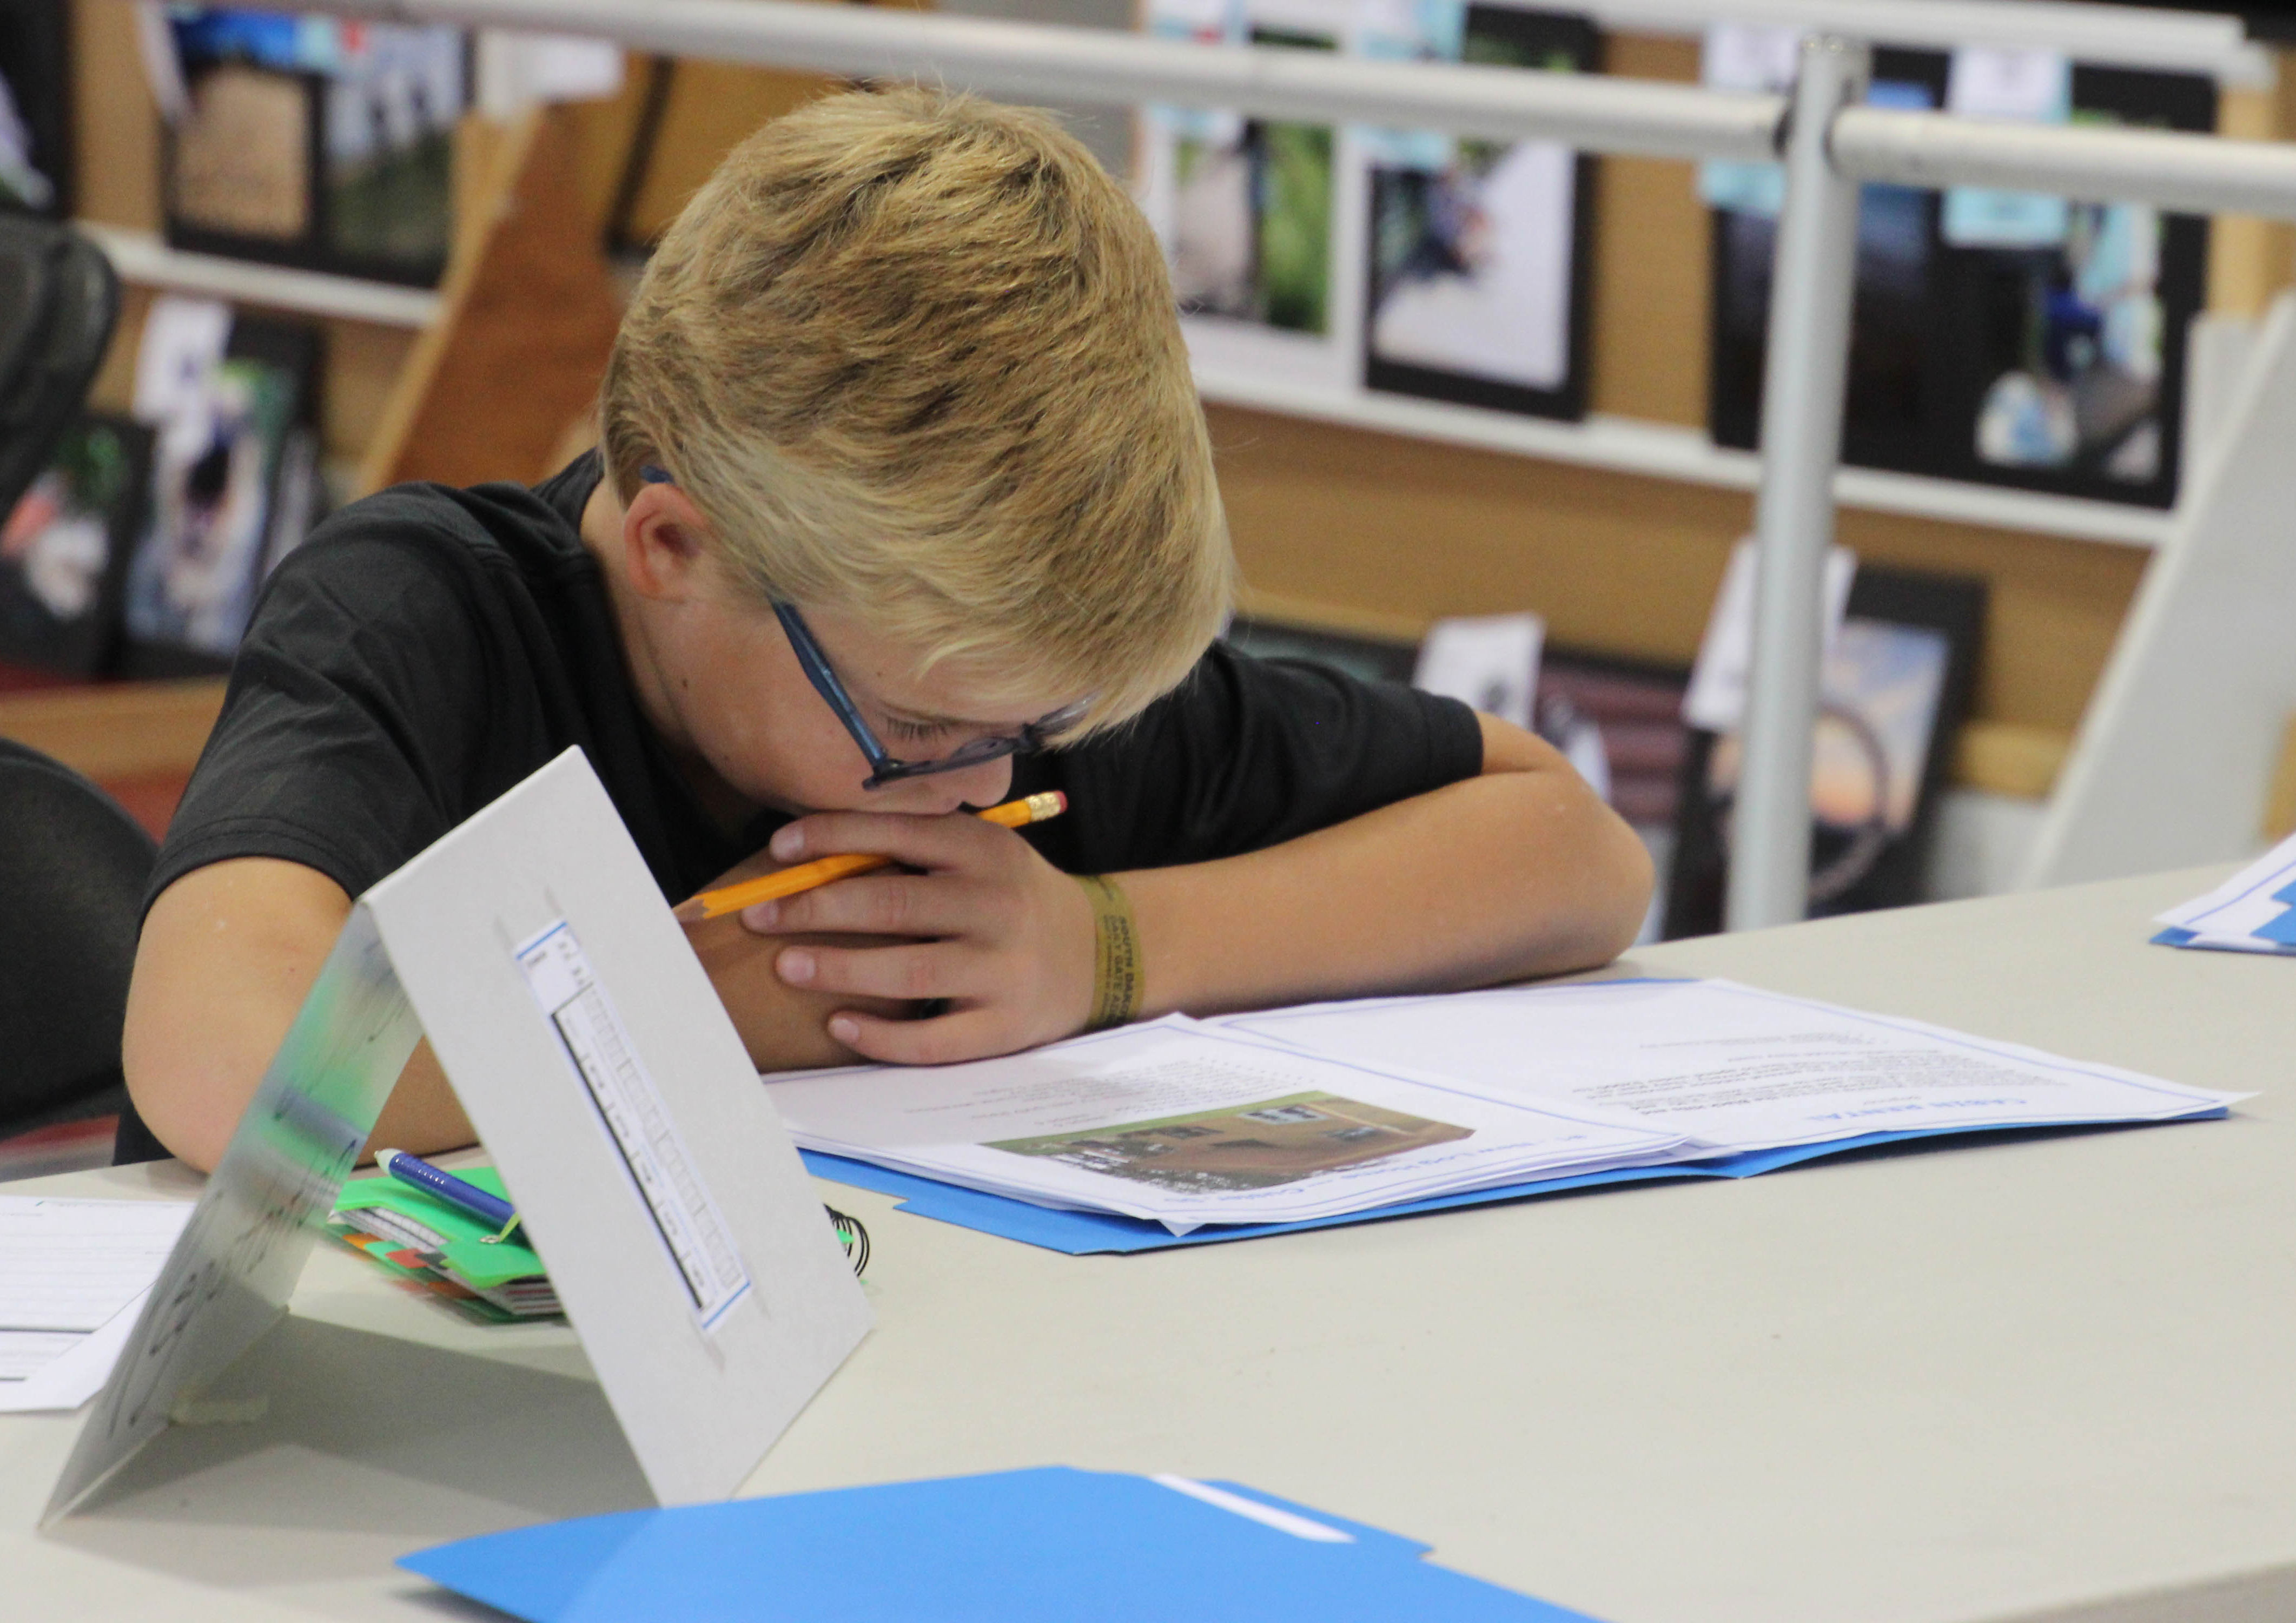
(693, 1232)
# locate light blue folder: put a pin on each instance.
(1097, 1234)
(1051, 1545)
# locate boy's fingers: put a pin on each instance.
(887, 904)
(933, 969)
(971, 1034)
(919, 841)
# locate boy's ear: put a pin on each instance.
(662, 543)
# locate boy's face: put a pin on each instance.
(718, 675)
(744, 704)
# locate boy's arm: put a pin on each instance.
(228, 952)
(1517, 872)
(1521, 871)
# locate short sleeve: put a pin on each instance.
(348, 738)
(1247, 754)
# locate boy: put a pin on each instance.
(903, 481)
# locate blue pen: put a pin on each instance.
(455, 1191)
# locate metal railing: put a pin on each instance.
(1828, 145)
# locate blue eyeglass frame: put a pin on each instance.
(884, 766)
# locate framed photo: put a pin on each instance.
(1479, 251)
(389, 109)
(1252, 237)
(314, 142)
(234, 483)
(64, 549)
(1635, 710)
(1253, 213)
(1997, 338)
(1619, 722)
(1895, 691)
(36, 168)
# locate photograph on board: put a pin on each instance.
(1246, 204)
(1477, 258)
(392, 101)
(1895, 689)
(64, 547)
(234, 487)
(316, 143)
(2004, 338)
(1258, 1145)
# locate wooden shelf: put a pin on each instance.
(1686, 456)
(117, 730)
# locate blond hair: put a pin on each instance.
(915, 356)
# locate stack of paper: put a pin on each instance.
(1051, 1545)
(72, 1279)
(2253, 911)
(1295, 1115)
(1186, 1124)
(1732, 1068)
(443, 1248)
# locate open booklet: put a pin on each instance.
(1297, 1114)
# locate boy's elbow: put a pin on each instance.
(1612, 897)
(178, 1112)
(1629, 877)
(226, 955)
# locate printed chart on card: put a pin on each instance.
(693, 1232)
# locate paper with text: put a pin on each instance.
(1732, 1067)
(69, 1268)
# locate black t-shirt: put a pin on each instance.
(428, 647)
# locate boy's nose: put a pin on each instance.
(981, 786)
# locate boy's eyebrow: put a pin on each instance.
(927, 718)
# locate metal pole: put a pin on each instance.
(1596, 111)
(1802, 383)
(2192, 174)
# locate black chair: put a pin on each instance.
(59, 301)
(73, 866)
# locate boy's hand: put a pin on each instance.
(1000, 933)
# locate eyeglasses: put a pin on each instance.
(884, 766)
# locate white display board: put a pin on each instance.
(533, 949)
(2175, 750)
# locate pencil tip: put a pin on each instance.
(690, 912)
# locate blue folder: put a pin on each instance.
(1050, 1546)
(1097, 1234)
(2279, 931)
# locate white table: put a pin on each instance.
(1981, 1383)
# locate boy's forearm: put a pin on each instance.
(229, 951)
(1513, 873)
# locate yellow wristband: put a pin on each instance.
(1116, 952)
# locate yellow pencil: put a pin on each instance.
(806, 876)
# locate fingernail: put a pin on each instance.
(845, 1030)
(788, 841)
(764, 916)
(796, 966)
